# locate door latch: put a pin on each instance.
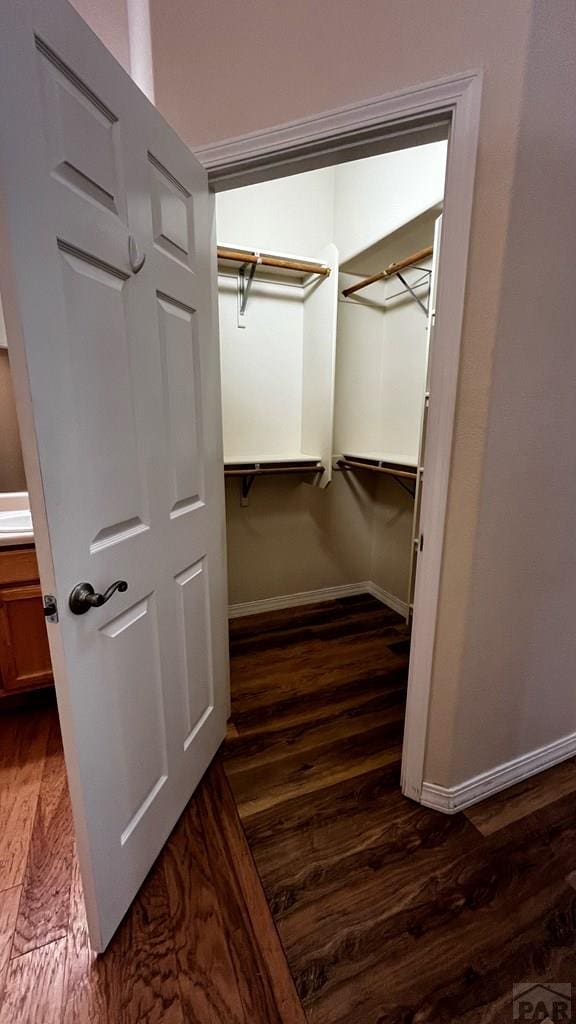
(50, 608)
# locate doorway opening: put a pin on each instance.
(327, 282)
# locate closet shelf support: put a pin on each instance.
(417, 298)
(246, 485)
(247, 475)
(245, 279)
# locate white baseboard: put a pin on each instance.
(450, 800)
(269, 604)
(385, 597)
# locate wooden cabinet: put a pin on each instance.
(24, 654)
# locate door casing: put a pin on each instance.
(412, 117)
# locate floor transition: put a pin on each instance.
(388, 913)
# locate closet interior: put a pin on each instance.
(326, 285)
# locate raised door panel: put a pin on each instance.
(113, 500)
(182, 403)
(130, 652)
(172, 213)
(195, 648)
(82, 133)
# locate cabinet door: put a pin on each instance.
(24, 654)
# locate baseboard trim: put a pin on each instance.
(269, 604)
(457, 798)
(396, 603)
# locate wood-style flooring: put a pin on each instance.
(389, 913)
(198, 945)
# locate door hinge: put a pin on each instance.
(421, 541)
(50, 608)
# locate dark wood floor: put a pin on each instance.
(198, 946)
(389, 913)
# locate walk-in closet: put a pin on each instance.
(326, 284)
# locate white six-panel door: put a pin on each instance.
(117, 380)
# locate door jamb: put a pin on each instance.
(352, 132)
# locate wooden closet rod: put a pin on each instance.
(390, 470)
(272, 261)
(392, 269)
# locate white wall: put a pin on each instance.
(292, 215)
(404, 362)
(381, 370)
(375, 197)
(261, 370)
(358, 399)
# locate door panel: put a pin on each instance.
(130, 651)
(194, 629)
(106, 263)
(182, 405)
(172, 213)
(105, 409)
(81, 131)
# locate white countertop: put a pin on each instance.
(15, 519)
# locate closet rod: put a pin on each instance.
(390, 271)
(272, 261)
(389, 470)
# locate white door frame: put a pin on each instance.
(411, 117)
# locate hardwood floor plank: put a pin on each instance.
(298, 705)
(23, 740)
(33, 986)
(363, 861)
(266, 987)
(305, 772)
(9, 902)
(403, 924)
(136, 980)
(86, 997)
(208, 985)
(45, 902)
(509, 806)
(255, 750)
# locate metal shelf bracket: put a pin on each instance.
(245, 279)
